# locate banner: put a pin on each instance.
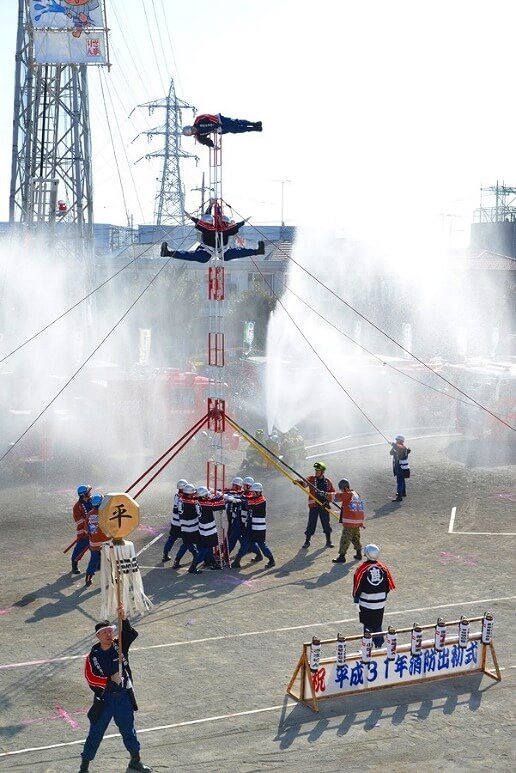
(69, 31)
(145, 346)
(353, 676)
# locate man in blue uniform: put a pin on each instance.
(255, 529)
(372, 582)
(111, 681)
(207, 124)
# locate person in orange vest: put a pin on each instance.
(320, 493)
(96, 537)
(352, 518)
(80, 516)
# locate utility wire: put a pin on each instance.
(323, 363)
(386, 335)
(85, 298)
(124, 315)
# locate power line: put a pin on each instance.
(382, 332)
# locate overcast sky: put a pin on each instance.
(383, 116)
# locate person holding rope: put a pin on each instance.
(352, 519)
(108, 674)
(80, 515)
(321, 492)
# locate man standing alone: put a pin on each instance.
(371, 584)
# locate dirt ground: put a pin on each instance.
(216, 653)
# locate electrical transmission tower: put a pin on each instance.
(170, 199)
(51, 180)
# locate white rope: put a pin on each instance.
(132, 593)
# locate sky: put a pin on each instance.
(386, 119)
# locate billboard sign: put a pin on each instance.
(69, 31)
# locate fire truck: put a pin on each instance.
(493, 385)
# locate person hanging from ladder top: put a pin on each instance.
(207, 124)
(210, 225)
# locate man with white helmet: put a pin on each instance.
(80, 515)
(255, 533)
(372, 582)
(175, 528)
(239, 522)
(400, 466)
(189, 519)
(207, 505)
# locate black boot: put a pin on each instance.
(235, 564)
(75, 568)
(89, 578)
(397, 499)
(258, 557)
(176, 564)
(339, 560)
(358, 555)
(165, 252)
(165, 559)
(137, 764)
(270, 563)
(307, 543)
(85, 766)
(329, 543)
(193, 569)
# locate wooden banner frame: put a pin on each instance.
(303, 675)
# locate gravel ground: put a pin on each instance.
(216, 653)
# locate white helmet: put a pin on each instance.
(188, 131)
(189, 489)
(237, 481)
(181, 483)
(400, 437)
(257, 487)
(202, 491)
(372, 552)
(248, 481)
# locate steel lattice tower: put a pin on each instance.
(170, 200)
(51, 155)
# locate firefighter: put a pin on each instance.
(80, 515)
(175, 529)
(255, 528)
(323, 489)
(372, 582)
(114, 696)
(400, 466)
(96, 538)
(190, 523)
(207, 124)
(206, 506)
(352, 519)
(239, 523)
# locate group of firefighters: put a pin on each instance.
(193, 522)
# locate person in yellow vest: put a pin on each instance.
(352, 517)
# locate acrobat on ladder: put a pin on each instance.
(216, 229)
